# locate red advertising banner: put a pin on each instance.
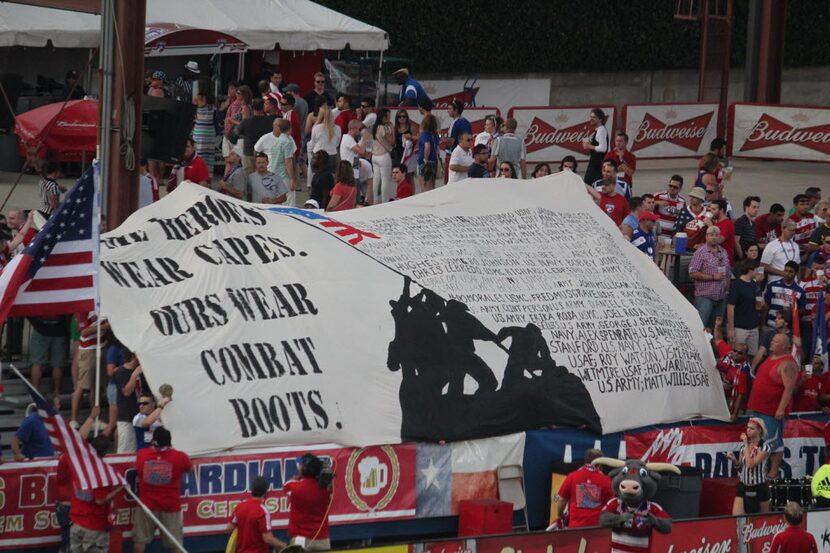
(705, 446)
(756, 532)
(698, 536)
(552, 133)
(587, 540)
(657, 131)
(795, 132)
(371, 484)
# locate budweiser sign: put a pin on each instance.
(750, 532)
(541, 135)
(769, 131)
(687, 134)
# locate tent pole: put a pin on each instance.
(105, 57)
(380, 71)
(241, 67)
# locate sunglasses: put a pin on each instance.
(144, 403)
(505, 169)
(402, 116)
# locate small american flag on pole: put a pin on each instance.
(57, 272)
(88, 470)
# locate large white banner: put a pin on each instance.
(670, 130)
(552, 133)
(479, 309)
(499, 93)
(799, 133)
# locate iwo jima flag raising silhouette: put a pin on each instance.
(280, 326)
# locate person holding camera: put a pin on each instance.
(310, 498)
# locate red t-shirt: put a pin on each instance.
(252, 519)
(404, 190)
(768, 386)
(793, 539)
(630, 160)
(727, 232)
(85, 512)
(348, 196)
(587, 490)
(63, 480)
(197, 171)
(309, 503)
(615, 206)
(764, 232)
(159, 477)
(343, 118)
(806, 398)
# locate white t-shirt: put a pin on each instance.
(346, 153)
(320, 140)
(264, 144)
(459, 157)
(369, 120)
(268, 185)
(777, 254)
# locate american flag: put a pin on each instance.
(57, 272)
(88, 470)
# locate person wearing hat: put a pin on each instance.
(690, 219)
(411, 90)
(752, 495)
(235, 181)
(311, 204)
(74, 90)
(643, 235)
(300, 105)
(184, 84)
(157, 89)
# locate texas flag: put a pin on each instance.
(449, 473)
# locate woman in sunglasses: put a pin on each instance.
(506, 170)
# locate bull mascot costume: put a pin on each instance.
(630, 515)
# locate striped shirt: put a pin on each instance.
(510, 148)
(622, 188)
(85, 320)
(48, 188)
(779, 295)
(634, 536)
(811, 292)
(668, 213)
(804, 227)
(755, 475)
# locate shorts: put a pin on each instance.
(48, 351)
(83, 540)
(144, 528)
(428, 170)
(126, 437)
(86, 366)
(759, 492)
(775, 432)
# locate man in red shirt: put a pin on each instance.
(809, 387)
(404, 187)
(775, 383)
(90, 511)
(253, 522)
(794, 538)
(613, 204)
(308, 521)
(159, 471)
(193, 168)
(584, 493)
(718, 218)
(626, 161)
(768, 225)
(344, 104)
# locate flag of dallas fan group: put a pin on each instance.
(56, 273)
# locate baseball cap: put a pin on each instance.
(311, 204)
(159, 75)
(648, 216)
(697, 192)
(402, 71)
(292, 88)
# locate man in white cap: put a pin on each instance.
(411, 90)
(184, 89)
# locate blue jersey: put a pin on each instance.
(457, 128)
(645, 242)
(412, 90)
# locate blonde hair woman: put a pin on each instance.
(325, 136)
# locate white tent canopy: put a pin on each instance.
(261, 24)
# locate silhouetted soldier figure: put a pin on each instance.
(462, 331)
(528, 352)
